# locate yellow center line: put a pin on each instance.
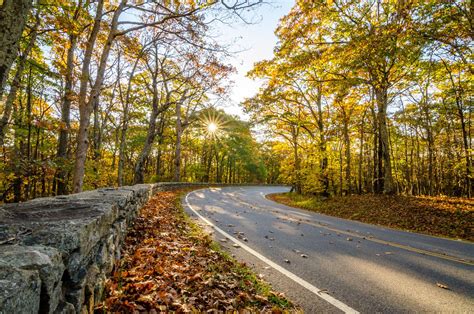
(390, 243)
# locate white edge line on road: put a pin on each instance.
(340, 305)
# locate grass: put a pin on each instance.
(439, 216)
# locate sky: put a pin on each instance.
(255, 42)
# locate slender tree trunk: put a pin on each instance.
(361, 153)
(179, 132)
(17, 79)
(347, 153)
(123, 133)
(150, 137)
(341, 181)
(152, 129)
(159, 163)
(18, 153)
(296, 156)
(63, 139)
(375, 156)
(13, 17)
(382, 102)
(29, 169)
(322, 146)
(85, 111)
(430, 141)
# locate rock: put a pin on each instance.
(46, 261)
(19, 290)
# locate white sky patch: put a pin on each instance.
(255, 43)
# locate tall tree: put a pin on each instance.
(13, 18)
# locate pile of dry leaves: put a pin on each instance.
(168, 264)
(441, 216)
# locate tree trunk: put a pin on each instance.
(13, 17)
(63, 139)
(382, 102)
(138, 176)
(86, 108)
(177, 156)
(84, 112)
(297, 168)
(322, 147)
(430, 142)
(16, 80)
(361, 153)
(123, 133)
(159, 167)
(347, 153)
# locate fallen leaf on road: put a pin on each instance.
(440, 285)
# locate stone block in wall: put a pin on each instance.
(19, 290)
(46, 261)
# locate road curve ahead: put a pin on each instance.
(328, 264)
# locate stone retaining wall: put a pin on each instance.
(56, 252)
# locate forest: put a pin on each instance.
(360, 97)
(371, 97)
(111, 93)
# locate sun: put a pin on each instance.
(212, 124)
(212, 127)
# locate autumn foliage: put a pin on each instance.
(168, 265)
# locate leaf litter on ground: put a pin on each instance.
(169, 264)
(434, 215)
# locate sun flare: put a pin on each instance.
(212, 127)
(212, 124)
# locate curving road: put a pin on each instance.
(328, 264)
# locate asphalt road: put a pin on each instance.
(328, 264)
